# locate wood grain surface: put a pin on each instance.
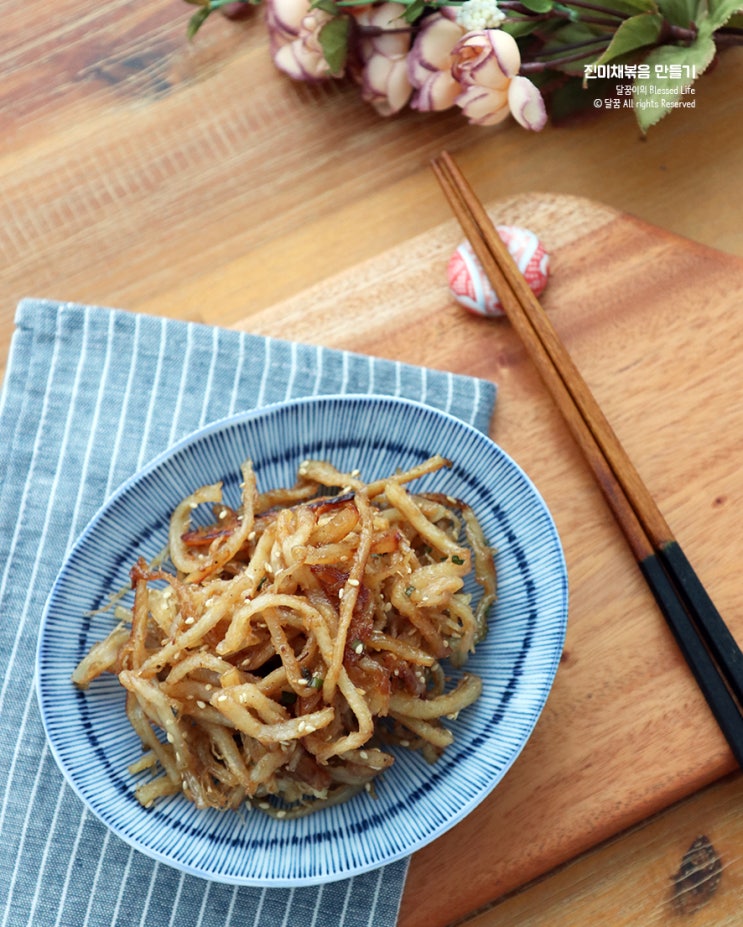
(625, 732)
(192, 180)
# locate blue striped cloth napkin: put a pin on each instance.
(90, 395)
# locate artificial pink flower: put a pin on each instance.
(486, 64)
(384, 74)
(302, 58)
(430, 61)
(526, 104)
(283, 19)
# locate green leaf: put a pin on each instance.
(197, 21)
(327, 6)
(333, 39)
(679, 12)
(414, 11)
(538, 6)
(659, 93)
(721, 11)
(517, 30)
(636, 32)
(632, 7)
(570, 36)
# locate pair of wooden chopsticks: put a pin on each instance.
(708, 646)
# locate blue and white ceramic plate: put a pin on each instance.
(415, 802)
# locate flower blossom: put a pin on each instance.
(429, 63)
(294, 30)
(474, 15)
(384, 76)
(486, 64)
(283, 19)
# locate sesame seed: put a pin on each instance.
(353, 582)
(200, 703)
(190, 620)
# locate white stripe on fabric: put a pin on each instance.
(96, 878)
(315, 913)
(375, 898)
(148, 897)
(182, 385)
(125, 404)
(176, 899)
(124, 880)
(449, 391)
(22, 843)
(261, 902)
(10, 364)
(51, 500)
(346, 900)
(20, 522)
(73, 854)
(155, 386)
(233, 902)
(202, 909)
(238, 376)
(319, 354)
(344, 367)
(292, 371)
(210, 377)
(24, 613)
(266, 368)
(44, 859)
(476, 404)
(80, 495)
(74, 530)
(287, 912)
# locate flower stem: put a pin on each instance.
(534, 67)
(573, 46)
(562, 11)
(595, 7)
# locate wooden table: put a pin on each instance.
(194, 181)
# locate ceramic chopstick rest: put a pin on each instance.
(472, 289)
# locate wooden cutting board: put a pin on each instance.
(653, 322)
